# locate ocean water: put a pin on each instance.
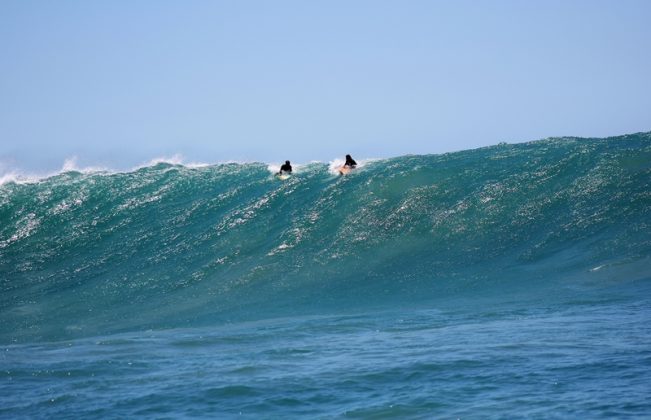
(507, 281)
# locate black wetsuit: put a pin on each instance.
(350, 162)
(286, 168)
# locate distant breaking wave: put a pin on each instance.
(166, 245)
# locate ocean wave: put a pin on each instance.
(89, 250)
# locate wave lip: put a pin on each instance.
(90, 251)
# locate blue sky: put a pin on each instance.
(116, 83)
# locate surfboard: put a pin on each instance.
(283, 177)
(344, 170)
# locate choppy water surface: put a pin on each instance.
(587, 359)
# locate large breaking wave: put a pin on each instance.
(170, 246)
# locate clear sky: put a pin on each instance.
(116, 83)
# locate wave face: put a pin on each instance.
(173, 246)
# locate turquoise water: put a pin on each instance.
(506, 281)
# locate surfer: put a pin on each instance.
(348, 166)
(350, 162)
(286, 168)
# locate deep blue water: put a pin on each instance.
(507, 281)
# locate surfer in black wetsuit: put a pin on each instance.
(350, 162)
(286, 168)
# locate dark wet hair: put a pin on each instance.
(287, 162)
(348, 157)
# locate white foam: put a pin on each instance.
(176, 159)
(274, 167)
(196, 165)
(335, 164)
(70, 165)
(9, 177)
(18, 178)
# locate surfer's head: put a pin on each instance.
(286, 162)
(348, 157)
